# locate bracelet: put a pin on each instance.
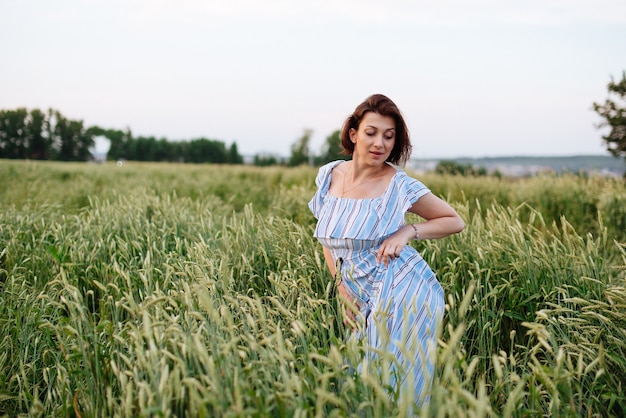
(417, 231)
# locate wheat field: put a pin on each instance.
(198, 290)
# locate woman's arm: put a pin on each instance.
(441, 221)
(330, 262)
(343, 293)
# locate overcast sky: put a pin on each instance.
(473, 77)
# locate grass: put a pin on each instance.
(172, 290)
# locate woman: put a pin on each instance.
(360, 206)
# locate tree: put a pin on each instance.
(119, 141)
(40, 144)
(70, 138)
(331, 150)
(614, 114)
(12, 130)
(51, 135)
(145, 148)
(458, 169)
(300, 152)
(264, 160)
(233, 156)
(203, 150)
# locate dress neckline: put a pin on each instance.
(359, 199)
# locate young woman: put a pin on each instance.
(360, 206)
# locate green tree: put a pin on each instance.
(118, 139)
(36, 136)
(163, 150)
(70, 138)
(614, 114)
(300, 152)
(331, 150)
(177, 151)
(264, 160)
(204, 150)
(458, 169)
(12, 133)
(233, 156)
(144, 149)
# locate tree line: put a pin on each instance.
(43, 136)
(123, 146)
(49, 135)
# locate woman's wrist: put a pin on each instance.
(416, 230)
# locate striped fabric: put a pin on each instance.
(402, 303)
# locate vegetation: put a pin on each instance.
(301, 153)
(614, 114)
(43, 136)
(300, 150)
(524, 166)
(50, 136)
(196, 290)
(458, 169)
(332, 149)
(201, 150)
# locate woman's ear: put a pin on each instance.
(352, 134)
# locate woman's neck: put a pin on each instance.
(357, 171)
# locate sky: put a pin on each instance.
(473, 78)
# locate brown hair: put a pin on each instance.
(382, 105)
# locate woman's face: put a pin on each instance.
(374, 139)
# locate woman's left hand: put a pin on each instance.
(394, 244)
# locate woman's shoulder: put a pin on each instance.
(399, 175)
(325, 171)
(406, 182)
(329, 166)
(402, 175)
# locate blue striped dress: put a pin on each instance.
(402, 303)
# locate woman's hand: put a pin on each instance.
(350, 306)
(347, 300)
(394, 244)
(441, 221)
